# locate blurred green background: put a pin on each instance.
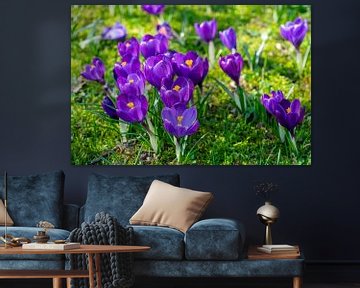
(225, 137)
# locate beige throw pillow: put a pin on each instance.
(170, 206)
(9, 221)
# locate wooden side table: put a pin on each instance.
(254, 254)
(93, 251)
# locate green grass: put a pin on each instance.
(225, 136)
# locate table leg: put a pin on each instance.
(68, 282)
(98, 270)
(57, 283)
(297, 282)
(91, 270)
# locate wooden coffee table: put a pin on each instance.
(57, 275)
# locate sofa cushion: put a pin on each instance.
(39, 264)
(169, 206)
(9, 221)
(35, 198)
(214, 239)
(119, 196)
(165, 243)
(29, 232)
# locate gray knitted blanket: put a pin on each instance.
(116, 268)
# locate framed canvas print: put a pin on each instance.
(191, 84)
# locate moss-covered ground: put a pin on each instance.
(225, 137)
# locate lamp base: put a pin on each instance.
(268, 237)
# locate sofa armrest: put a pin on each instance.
(71, 216)
(215, 239)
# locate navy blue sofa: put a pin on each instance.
(32, 199)
(210, 248)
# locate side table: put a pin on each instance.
(288, 259)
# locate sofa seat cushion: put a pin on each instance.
(214, 239)
(29, 232)
(166, 243)
(39, 264)
(120, 196)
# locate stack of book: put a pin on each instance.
(279, 249)
(51, 246)
(274, 252)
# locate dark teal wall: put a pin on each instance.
(318, 204)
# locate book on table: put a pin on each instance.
(51, 246)
(255, 254)
(278, 249)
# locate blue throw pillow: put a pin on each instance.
(35, 198)
(119, 196)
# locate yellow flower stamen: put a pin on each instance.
(131, 81)
(176, 88)
(131, 105)
(189, 63)
(179, 119)
(123, 63)
(288, 110)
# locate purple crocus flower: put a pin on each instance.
(153, 45)
(165, 29)
(206, 30)
(170, 54)
(133, 84)
(179, 121)
(175, 92)
(232, 65)
(95, 71)
(270, 101)
(115, 32)
(109, 107)
(190, 65)
(288, 114)
(128, 65)
(294, 32)
(157, 68)
(132, 108)
(153, 9)
(130, 46)
(228, 38)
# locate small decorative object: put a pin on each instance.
(268, 214)
(41, 236)
(11, 241)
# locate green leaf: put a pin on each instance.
(282, 133)
(246, 50)
(242, 99)
(306, 56)
(233, 96)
